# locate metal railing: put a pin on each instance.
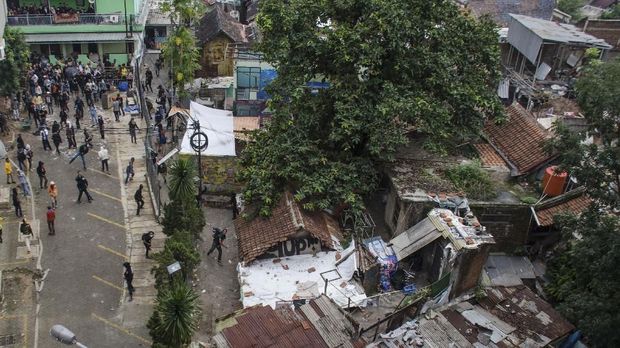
(30, 20)
(150, 144)
(82, 18)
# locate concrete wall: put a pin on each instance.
(115, 6)
(400, 215)
(219, 174)
(507, 223)
(3, 14)
(467, 269)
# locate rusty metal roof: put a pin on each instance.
(268, 327)
(508, 317)
(320, 323)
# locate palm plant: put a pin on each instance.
(182, 186)
(176, 316)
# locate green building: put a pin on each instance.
(111, 30)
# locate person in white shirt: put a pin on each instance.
(104, 157)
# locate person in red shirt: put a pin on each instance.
(51, 216)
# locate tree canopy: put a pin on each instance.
(596, 165)
(390, 65)
(612, 13)
(584, 275)
(584, 271)
(13, 67)
(179, 50)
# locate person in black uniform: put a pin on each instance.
(218, 241)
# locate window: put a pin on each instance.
(248, 78)
(55, 50)
(77, 48)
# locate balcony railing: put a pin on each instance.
(81, 18)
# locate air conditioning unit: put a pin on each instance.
(234, 14)
(114, 19)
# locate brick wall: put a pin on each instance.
(507, 223)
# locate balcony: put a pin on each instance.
(68, 18)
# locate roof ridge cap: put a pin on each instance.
(298, 222)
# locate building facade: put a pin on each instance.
(2, 25)
(108, 30)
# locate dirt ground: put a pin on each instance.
(18, 307)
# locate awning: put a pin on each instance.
(78, 37)
(415, 238)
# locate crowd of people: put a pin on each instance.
(53, 93)
(16, 10)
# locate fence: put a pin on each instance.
(149, 146)
(43, 19)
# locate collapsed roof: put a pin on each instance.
(288, 218)
(528, 34)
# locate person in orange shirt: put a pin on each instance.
(52, 190)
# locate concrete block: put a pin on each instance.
(5, 198)
(22, 252)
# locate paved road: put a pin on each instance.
(85, 257)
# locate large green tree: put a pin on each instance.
(584, 271)
(596, 165)
(179, 50)
(13, 67)
(585, 277)
(391, 65)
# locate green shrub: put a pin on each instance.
(471, 179)
(186, 217)
(178, 247)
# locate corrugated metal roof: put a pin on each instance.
(439, 333)
(558, 32)
(504, 270)
(334, 327)
(317, 324)
(415, 238)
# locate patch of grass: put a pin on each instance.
(472, 179)
(529, 200)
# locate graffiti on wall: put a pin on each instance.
(295, 246)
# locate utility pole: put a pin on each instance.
(199, 142)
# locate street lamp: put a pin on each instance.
(199, 142)
(64, 335)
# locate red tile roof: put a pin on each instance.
(488, 156)
(576, 205)
(519, 140)
(256, 236)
